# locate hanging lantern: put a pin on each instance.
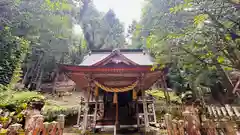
(134, 94)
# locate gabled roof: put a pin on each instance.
(137, 56)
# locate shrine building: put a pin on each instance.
(114, 82)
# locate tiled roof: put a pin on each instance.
(135, 55)
(89, 60)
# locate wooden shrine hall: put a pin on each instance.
(115, 82)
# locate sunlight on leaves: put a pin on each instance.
(228, 37)
(199, 19)
(220, 59)
(181, 7)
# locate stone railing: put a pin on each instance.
(217, 120)
(38, 126)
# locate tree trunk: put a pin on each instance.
(26, 74)
(55, 82)
(39, 81)
(36, 72)
(217, 94)
(225, 79)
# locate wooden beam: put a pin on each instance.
(99, 75)
(111, 78)
(129, 74)
(117, 83)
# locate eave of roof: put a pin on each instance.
(73, 68)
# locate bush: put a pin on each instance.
(159, 94)
(10, 97)
(13, 102)
(51, 111)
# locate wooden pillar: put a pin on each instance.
(137, 105)
(137, 114)
(96, 107)
(145, 110)
(115, 101)
(117, 120)
(79, 112)
(154, 113)
(86, 108)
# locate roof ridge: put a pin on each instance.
(121, 50)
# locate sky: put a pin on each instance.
(126, 10)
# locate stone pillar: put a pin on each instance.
(168, 122)
(61, 122)
(13, 129)
(181, 127)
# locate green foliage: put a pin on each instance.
(14, 102)
(101, 30)
(199, 19)
(181, 7)
(13, 50)
(10, 96)
(51, 111)
(194, 39)
(159, 94)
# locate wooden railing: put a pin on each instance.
(38, 126)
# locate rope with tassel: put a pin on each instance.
(124, 89)
(116, 90)
(134, 94)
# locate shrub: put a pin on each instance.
(13, 102)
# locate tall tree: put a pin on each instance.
(115, 31)
(101, 30)
(48, 25)
(188, 35)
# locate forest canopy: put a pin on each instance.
(197, 39)
(37, 34)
